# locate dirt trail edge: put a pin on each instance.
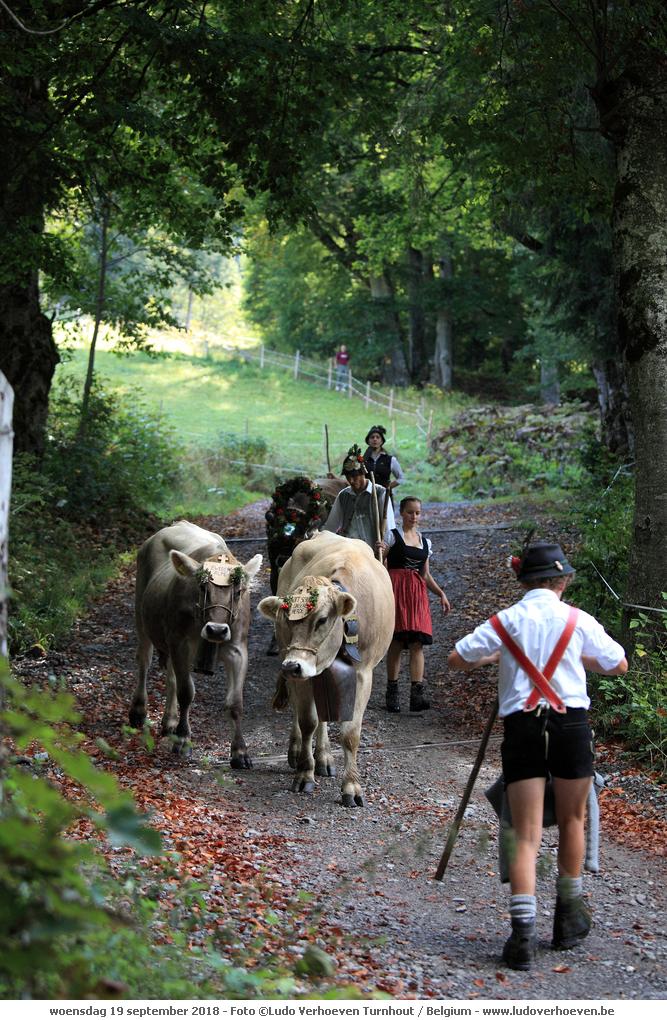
(371, 902)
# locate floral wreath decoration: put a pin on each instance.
(282, 521)
(300, 603)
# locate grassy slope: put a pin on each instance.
(204, 398)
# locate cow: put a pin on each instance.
(327, 581)
(192, 598)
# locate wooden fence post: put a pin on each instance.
(261, 356)
(329, 373)
(430, 426)
(349, 382)
(6, 446)
(393, 431)
(391, 401)
(296, 365)
(368, 393)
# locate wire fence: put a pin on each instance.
(325, 373)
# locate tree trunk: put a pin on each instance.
(28, 358)
(6, 402)
(416, 319)
(99, 311)
(28, 354)
(394, 369)
(549, 384)
(613, 399)
(634, 114)
(444, 335)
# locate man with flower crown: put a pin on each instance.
(355, 511)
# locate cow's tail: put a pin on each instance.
(281, 695)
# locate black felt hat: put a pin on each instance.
(381, 431)
(543, 560)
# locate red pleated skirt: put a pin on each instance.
(413, 615)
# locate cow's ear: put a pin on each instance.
(253, 565)
(345, 603)
(269, 606)
(183, 564)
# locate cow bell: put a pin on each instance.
(335, 692)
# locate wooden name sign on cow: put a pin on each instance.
(191, 593)
(327, 581)
(299, 507)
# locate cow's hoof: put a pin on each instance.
(325, 770)
(240, 761)
(347, 800)
(303, 786)
(182, 748)
(359, 800)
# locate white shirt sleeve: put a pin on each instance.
(391, 522)
(335, 518)
(482, 641)
(599, 645)
(397, 471)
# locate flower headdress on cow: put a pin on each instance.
(300, 602)
(285, 521)
(354, 462)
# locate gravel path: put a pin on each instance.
(388, 924)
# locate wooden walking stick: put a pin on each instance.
(326, 444)
(456, 824)
(387, 498)
(378, 552)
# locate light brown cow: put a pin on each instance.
(192, 590)
(343, 579)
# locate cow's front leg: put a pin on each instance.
(235, 661)
(171, 714)
(324, 763)
(350, 732)
(137, 714)
(302, 699)
(185, 694)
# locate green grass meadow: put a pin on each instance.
(212, 401)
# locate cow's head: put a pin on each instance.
(309, 625)
(216, 593)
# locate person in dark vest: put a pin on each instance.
(353, 514)
(544, 648)
(382, 464)
(408, 563)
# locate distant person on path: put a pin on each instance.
(546, 734)
(342, 369)
(380, 463)
(353, 513)
(408, 564)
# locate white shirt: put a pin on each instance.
(335, 519)
(536, 623)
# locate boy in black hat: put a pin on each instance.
(353, 514)
(376, 459)
(544, 648)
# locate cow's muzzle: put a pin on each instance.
(297, 669)
(216, 632)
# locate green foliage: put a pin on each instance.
(497, 451)
(71, 510)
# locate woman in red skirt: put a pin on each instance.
(407, 562)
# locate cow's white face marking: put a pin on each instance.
(312, 642)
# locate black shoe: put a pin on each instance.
(520, 950)
(572, 923)
(393, 703)
(418, 702)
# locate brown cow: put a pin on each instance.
(192, 591)
(331, 579)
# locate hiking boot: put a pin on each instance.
(418, 702)
(572, 923)
(393, 703)
(520, 950)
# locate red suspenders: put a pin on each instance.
(540, 678)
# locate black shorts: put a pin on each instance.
(547, 743)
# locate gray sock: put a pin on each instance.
(569, 888)
(523, 908)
